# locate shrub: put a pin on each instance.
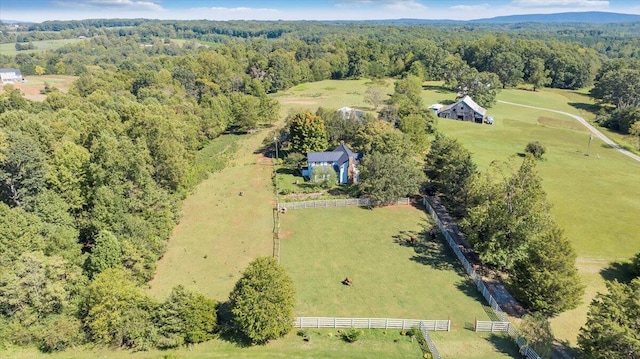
(254, 314)
(536, 149)
(352, 335)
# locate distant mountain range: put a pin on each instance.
(594, 17)
(590, 17)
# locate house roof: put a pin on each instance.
(340, 154)
(469, 102)
(9, 71)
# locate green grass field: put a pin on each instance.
(44, 45)
(220, 232)
(320, 247)
(596, 198)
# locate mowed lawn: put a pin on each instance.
(34, 84)
(392, 278)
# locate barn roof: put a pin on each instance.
(469, 102)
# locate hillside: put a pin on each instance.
(594, 17)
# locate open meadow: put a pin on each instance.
(220, 232)
(595, 198)
(34, 84)
(9, 49)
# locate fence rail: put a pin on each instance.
(456, 247)
(432, 346)
(361, 202)
(371, 323)
(489, 326)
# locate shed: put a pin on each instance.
(465, 110)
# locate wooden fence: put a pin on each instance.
(361, 202)
(489, 326)
(456, 247)
(371, 323)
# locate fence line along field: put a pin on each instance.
(396, 270)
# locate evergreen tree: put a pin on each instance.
(612, 330)
(547, 280)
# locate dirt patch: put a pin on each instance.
(34, 84)
(554, 122)
(285, 234)
(298, 101)
(264, 160)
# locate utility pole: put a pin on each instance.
(588, 144)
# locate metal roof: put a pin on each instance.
(340, 155)
(469, 102)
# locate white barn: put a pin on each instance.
(9, 76)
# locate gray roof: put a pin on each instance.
(340, 155)
(469, 102)
(9, 70)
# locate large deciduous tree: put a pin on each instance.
(307, 133)
(510, 210)
(262, 301)
(387, 176)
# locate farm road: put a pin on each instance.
(586, 124)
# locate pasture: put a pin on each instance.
(220, 232)
(391, 276)
(34, 84)
(43, 45)
(595, 198)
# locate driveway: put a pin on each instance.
(586, 124)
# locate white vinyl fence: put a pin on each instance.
(489, 326)
(379, 323)
(361, 202)
(519, 340)
(371, 323)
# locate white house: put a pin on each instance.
(9, 76)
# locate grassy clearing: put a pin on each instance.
(392, 278)
(220, 232)
(595, 198)
(31, 88)
(323, 343)
(44, 45)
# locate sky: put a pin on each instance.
(42, 10)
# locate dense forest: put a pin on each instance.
(91, 181)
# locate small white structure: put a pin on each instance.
(9, 76)
(348, 112)
(436, 107)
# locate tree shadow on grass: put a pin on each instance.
(585, 106)
(504, 344)
(429, 248)
(437, 89)
(225, 329)
(620, 271)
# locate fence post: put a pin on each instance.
(334, 323)
(386, 323)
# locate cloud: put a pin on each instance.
(470, 7)
(112, 4)
(561, 3)
(395, 5)
(233, 13)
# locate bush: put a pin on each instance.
(635, 265)
(536, 149)
(352, 335)
(253, 299)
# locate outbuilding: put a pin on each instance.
(9, 75)
(464, 110)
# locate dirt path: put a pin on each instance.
(586, 124)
